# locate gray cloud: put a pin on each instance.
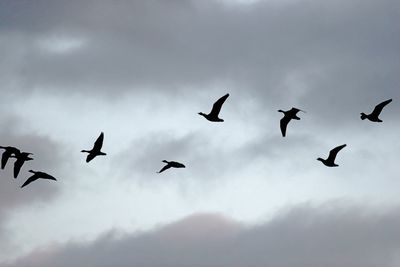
(339, 53)
(330, 235)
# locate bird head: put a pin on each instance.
(280, 110)
(319, 159)
(201, 113)
(32, 171)
(363, 115)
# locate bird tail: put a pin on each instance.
(363, 116)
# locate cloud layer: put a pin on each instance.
(303, 236)
(140, 71)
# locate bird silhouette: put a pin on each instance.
(171, 164)
(8, 152)
(374, 116)
(213, 115)
(288, 116)
(330, 161)
(37, 175)
(21, 157)
(96, 150)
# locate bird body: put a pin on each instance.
(8, 152)
(213, 115)
(171, 164)
(37, 175)
(288, 116)
(330, 161)
(374, 115)
(96, 150)
(21, 157)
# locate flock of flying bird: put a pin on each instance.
(213, 116)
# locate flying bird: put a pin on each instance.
(21, 157)
(330, 161)
(374, 116)
(171, 164)
(96, 150)
(8, 152)
(213, 115)
(38, 175)
(288, 116)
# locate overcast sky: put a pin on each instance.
(140, 71)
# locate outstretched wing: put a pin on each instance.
(47, 176)
(30, 180)
(333, 152)
(218, 105)
(378, 109)
(166, 167)
(6, 155)
(99, 142)
(284, 122)
(90, 156)
(17, 167)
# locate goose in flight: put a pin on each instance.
(213, 115)
(330, 161)
(37, 175)
(21, 157)
(288, 116)
(171, 164)
(8, 152)
(96, 150)
(374, 116)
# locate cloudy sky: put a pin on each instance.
(140, 71)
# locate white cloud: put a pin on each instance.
(61, 44)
